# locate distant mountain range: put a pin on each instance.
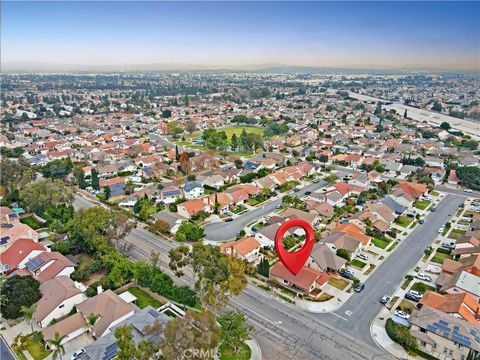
(37, 67)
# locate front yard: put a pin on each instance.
(338, 283)
(380, 243)
(403, 221)
(358, 264)
(422, 204)
(439, 257)
(456, 233)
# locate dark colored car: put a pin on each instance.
(359, 287)
(434, 209)
(228, 219)
(308, 192)
(346, 275)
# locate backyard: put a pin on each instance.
(144, 299)
(32, 222)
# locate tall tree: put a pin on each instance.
(107, 192)
(95, 180)
(39, 195)
(233, 329)
(234, 142)
(27, 312)
(18, 291)
(197, 331)
(177, 154)
(216, 274)
(57, 346)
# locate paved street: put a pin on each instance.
(222, 231)
(5, 352)
(286, 332)
(389, 275)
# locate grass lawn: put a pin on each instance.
(407, 282)
(393, 246)
(19, 353)
(144, 299)
(370, 269)
(392, 302)
(227, 353)
(382, 244)
(37, 350)
(324, 297)
(422, 287)
(338, 283)
(403, 220)
(407, 306)
(463, 222)
(32, 222)
(85, 261)
(422, 204)
(358, 264)
(439, 257)
(456, 233)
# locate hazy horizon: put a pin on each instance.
(235, 35)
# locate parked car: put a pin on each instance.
(308, 192)
(468, 190)
(316, 181)
(228, 219)
(423, 277)
(413, 295)
(401, 314)
(441, 229)
(254, 229)
(421, 221)
(448, 246)
(359, 287)
(362, 256)
(385, 299)
(291, 192)
(347, 274)
(434, 209)
(77, 354)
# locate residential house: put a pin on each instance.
(444, 336)
(461, 306)
(307, 282)
(17, 255)
(170, 194)
(46, 266)
(14, 230)
(109, 308)
(191, 207)
(322, 258)
(466, 245)
(247, 248)
(59, 296)
(193, 190)
(311, 218)
(140, 324)
(174, 220)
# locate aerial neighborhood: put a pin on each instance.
(135, 207)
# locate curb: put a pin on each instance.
(256, 351)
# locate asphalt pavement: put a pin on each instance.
(223, 231)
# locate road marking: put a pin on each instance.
(341, 317)
(264, 327)
(349, 312)
(259, 315)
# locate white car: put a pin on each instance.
(362, 256)
(77, 353)
(402, 314)
(423, 277)
(468, 190)
(441, 229)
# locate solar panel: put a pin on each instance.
(442, 322)
(4, 240)
(34, 263)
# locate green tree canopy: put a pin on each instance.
(18, 291)
(41, 194)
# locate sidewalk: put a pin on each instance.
(380, 336)
(256, 352)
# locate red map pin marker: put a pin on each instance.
(294, 261)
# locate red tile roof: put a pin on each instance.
(19, 250)
(303, 280)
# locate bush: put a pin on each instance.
(91, 291)
(344, 253)
(80, 275)
(18, 291)
(400, 335)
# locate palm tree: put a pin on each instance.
(27, 313)
(57, 346)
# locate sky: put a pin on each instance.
(233, 34)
